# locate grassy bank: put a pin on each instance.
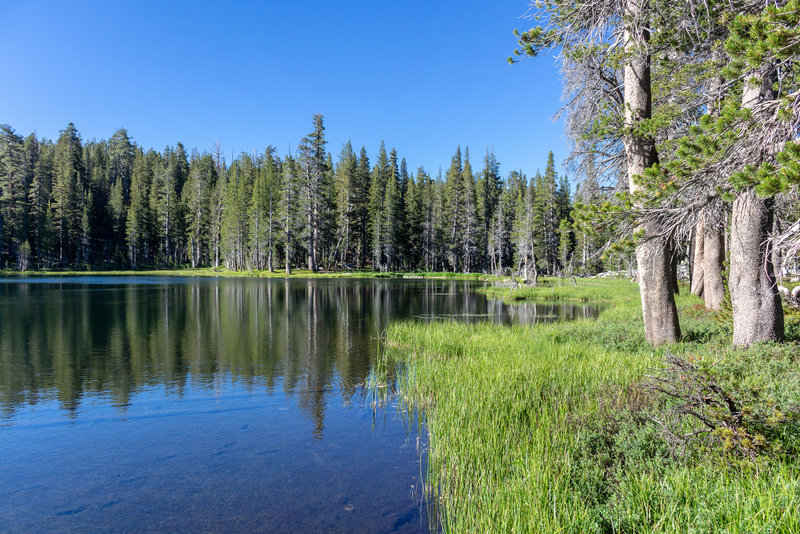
(549, 428)
(222, 272)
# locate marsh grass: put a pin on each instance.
(548, 428)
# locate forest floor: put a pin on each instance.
(582, 427)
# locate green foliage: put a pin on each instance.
(112, 205)
(552, 427)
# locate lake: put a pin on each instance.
(214, 404)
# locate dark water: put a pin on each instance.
(234, 405)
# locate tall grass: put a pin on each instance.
(544, 428)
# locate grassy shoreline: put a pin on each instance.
(548, 429)
(225, 273)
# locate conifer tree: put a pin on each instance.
(288, 210)
(196, 197)
(426, 200)
(346, 184)
(165, 206)
(402, 210)
(525, 230)
(381, 174)
(98, 239)
(489, 189)
(233, 232)
(455, 215)
(414, 221)
(138, 216)
(67, 192)
(549, 206)
(623, 30)
(316, 190)
(13, 196)
(390, 226)
(217, 210)
(360, 200)
(263, 212)
(120, 161)
(41, 227)
(473, 226)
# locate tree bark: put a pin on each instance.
(776, 253)
(713, 262)
(698, 260)
(653, 257)
(757, 310)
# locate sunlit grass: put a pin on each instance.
(529, 433)
(278, 273)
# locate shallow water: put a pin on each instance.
(197, 404)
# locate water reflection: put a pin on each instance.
(213, 404)
(65, 339)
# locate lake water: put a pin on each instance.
(225, 405)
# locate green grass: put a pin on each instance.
(582, 290)
(223, 272)
(547, 428)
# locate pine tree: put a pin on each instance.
(401, 235)
(524, 230)
(164, 206)
(67, 192)
(120, 161)
(426, 200)
(196, 197)
(390, 225)
(346, 198)
(502, 225)
(621, 30)
(289, 217)
(473, 226)
(414, 222)
(566, 234)
(138, 217)
(233, 232)
(97, 235)
(360, 201)
(41, 227)
(264, 213)
(216, 211)
(121, 155)
(13, 195)
(316, 201)
(381, 174)
(548, 204)
(441, 249)
(489, 189)
(455, 216)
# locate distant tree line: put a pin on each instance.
(111, 204)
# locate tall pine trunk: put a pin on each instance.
(713, 261)
(653, 255)
(698, 260)
(757, 309)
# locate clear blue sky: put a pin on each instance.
(425, 76)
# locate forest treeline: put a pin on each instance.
(112, 204)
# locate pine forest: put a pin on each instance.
(104, 205)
